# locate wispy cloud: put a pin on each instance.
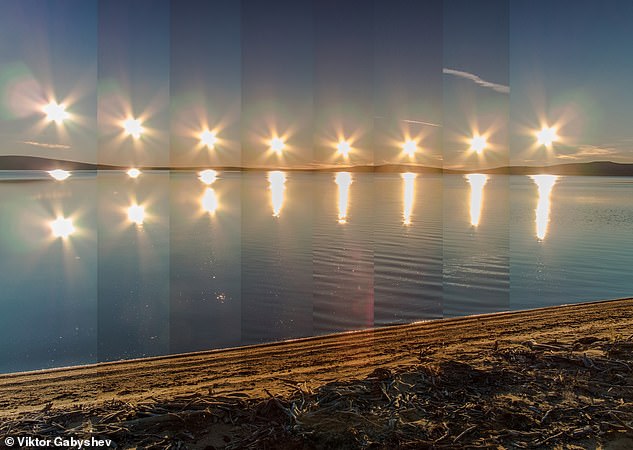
(45, 144)
(419, 122)
(590, 151)
(476, 79)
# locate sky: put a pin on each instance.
(313, 73)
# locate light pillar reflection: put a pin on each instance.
(545, 184)
(408, 193)
(277, 180)
(209, 201)
(343, 180)
(477, 182)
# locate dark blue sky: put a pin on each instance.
(315, 71)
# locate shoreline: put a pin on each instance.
(581, 335)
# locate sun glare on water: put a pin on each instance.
(477, 182)
(133, 173)
(208, 176)
(59, 174)
(343, 180)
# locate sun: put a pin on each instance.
(133, 128)
(343, 148)
(62, 227)
(208, 138)
(55, 112)
(410, 147)
(478, 144)
(547, 136)
(277, 145)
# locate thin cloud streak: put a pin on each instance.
(419, 122)
(474, 78)
(45, 144)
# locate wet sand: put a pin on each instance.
(477, 381)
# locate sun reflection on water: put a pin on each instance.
(209, 201)
(408, 193)
(545, 185)
(477, 182)
(277, 180)
(343, 180)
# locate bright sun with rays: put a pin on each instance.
(410, 147)
(133, 128)
(208, 138)
(547, 136)
(343, 148)
(62, 227)
(478, 144)
(277, 145)
(55, 112)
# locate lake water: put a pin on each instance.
(258, 257)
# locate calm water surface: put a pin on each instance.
(258, 257)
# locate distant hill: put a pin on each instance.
(597, 168)
(37, 163)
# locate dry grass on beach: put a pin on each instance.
(552, 378)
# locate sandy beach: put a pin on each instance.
(552, 377)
